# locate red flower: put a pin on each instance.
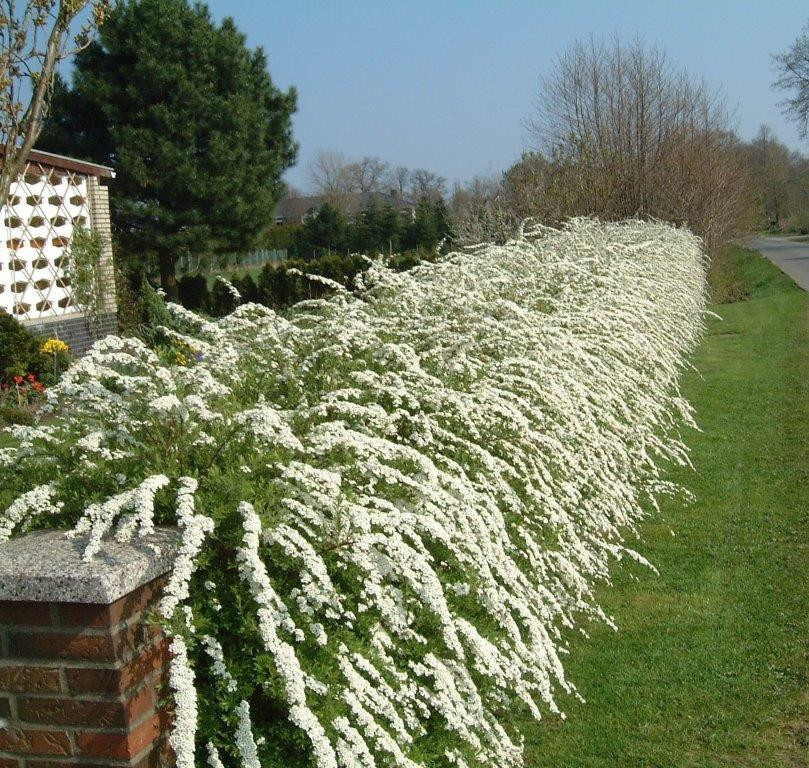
(18, 379)
(38, 386)
(31, 377)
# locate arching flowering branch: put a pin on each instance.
(394, 503)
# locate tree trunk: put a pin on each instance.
(30, 124)
(168, 278)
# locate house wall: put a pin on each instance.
(44, 208)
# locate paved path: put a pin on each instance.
(791, 257)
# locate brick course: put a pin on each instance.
(80, 684)
(74, 329)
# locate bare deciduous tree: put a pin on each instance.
(335, 177)
(34, 37)
(526, 186)
(367, 175)
(473, 193)
(793, 67)
(400, 179)
(329, 175)
(627, 134)
(426, 184)
(771, 168)
(780, 182)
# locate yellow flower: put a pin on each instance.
(54, 347)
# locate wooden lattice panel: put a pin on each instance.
(44, 207)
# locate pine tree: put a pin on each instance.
(321, 234)
(422, 232)
(442, 222)
(189, 118)
(389, 227)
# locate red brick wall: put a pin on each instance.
(80, 684)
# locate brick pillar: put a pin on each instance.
(82, 668)
(98, 198)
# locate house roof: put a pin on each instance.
(70, 164)
(297, 207)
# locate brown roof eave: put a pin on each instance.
(70, 164)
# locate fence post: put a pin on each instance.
(82, 668)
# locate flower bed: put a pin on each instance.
(27, 363)
(394, 503)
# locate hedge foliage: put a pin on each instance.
(280, 285)
(20, 350)
(394, 503)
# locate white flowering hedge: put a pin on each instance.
(393, 503)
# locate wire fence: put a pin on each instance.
(229, 262)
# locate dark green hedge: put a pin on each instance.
(278, 286)
(20, 350)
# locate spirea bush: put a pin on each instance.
(393, 503)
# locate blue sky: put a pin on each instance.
(447, 84)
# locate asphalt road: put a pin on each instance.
(789, 256)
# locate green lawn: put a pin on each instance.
(254, 272)
(710, 666)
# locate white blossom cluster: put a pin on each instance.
(181, 680)
(411, 489)
(214, 649)
(194, 529)
(98, 518)
(232, 289)
(245, 741)
(26, 508)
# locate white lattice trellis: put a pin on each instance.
(44, 208)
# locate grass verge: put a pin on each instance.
(231, 274)
(710, 666)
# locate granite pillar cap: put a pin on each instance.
(47, 566)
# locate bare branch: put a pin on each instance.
(426, 184)
(620, 132)
(25, 68)
(329, 176)
(793, 67)
(367, 175)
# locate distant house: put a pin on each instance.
(52, 197)
(296, 210)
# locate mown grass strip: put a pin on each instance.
(710, 666)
